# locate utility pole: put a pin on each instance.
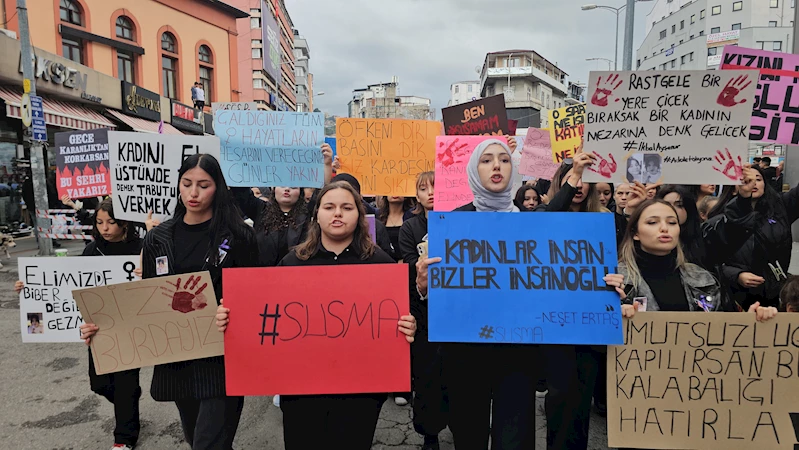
(629, 22)
(38, 175)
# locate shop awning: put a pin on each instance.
(143, 125)
(56, 112)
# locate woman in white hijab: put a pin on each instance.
(490, 172)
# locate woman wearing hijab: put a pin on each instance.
(491, 387)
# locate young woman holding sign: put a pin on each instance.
(113, 237)
(491, 387)
(207, 233)
(338, 234)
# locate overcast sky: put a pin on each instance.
(429, 44)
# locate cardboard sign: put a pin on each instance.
(704, 381)
(336, 337)
(537, 155)
(386, 155)
(81, 159)
(774, 113)
(486, 116)
(452, 181)
(566, 126)
(271, 148)
(150, 322)
(47, 311)
(145, 170)
(497, 284)
(676, 127)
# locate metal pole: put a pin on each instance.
(616, 54)
(37, 149)
(629, 21)
(791, 169)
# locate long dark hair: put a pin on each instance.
(383, 207)
(520, 194)
(591, 202)
(226, 216)
(130, 233)
(274, 220)
(727, 193)
(361, 238)
(691, 230)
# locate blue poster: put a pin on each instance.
(331, 141)
(270, 148)
(531, 278)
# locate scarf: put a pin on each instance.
(485, 200)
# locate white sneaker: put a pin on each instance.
(400, 401)
(276, 401)
(121, 447)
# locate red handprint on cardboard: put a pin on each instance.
(727, 165)
(732, 89)
(605, 90)
(188, 298)
(606, 168)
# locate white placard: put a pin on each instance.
(47, 295)
(676, 127)
(234, 106)
(144, 171)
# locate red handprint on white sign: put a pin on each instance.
(727, 166)
(606, 169)
(605, 90)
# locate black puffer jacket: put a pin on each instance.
(412, 233)
(769, 242)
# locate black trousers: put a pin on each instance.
(476, 375)
(430, 403)
(572, 373)
(210, 423)
(123, 390)
(345, 422)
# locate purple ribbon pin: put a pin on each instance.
(224, 245)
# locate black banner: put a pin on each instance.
(486, 116)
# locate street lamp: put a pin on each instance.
(617, 11)
(601, 59)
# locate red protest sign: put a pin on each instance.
(289, 335)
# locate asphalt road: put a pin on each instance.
(48, 404)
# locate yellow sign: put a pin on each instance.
(26, 86)
(386, 155)
(566, 127)
(26, 112)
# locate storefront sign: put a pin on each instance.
(140, 102)
(60, 74)
(727, 36)
(186, 118)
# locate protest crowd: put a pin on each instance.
(686, 248)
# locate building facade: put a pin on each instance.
(266, 55)
(382, 101)
(532, 85)
(463, 92)
(691, 35)
(302, 54)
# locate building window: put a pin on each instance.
(681, 41)
(71, 13)
(170, 74)
(682, 59)
(257, 83)
(715, 30)
(125, 66)
(736, 26)
(673, 63)
(712, 51)
(457, 89)
(737, 6)
(760, 45)
(125, 28)
(204, 54)
(774, 3)
(206, 79)
(693, 19)
(716, 10)
(777, 46)
(255, 22)
(663, 34)
(256, 42)
(168, 43)
(72, 50)
(470, 88)
(701, 14)
(257, 53)
(255, 12)
(772, 23)
(690, 37)
(691, 56)
(673, 28)
(702, 32)
(682, 24)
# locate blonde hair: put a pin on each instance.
(423, 179)
(627, 253)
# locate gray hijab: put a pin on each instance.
(485, 200)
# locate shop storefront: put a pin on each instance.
(141, 111)
(186, 118)
(74, 97)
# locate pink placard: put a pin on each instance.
(775, 113)
(452, 182)
(537, 155)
